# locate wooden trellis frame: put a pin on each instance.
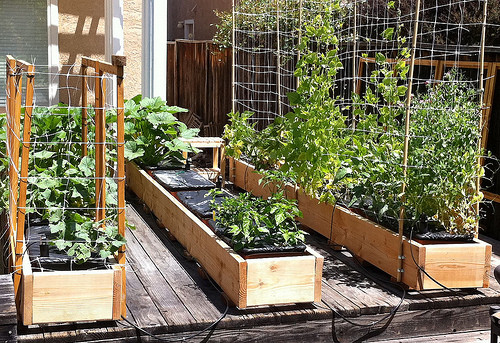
(17, 196)
(100, 68)
(33, 291)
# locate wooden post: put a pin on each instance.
(100, 147)
(407, 141)
(15, 131)
(120, 62)
(21, 209)
(83, 72)
(481, 101)
(11, 90)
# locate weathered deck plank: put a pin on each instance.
(186, 289)
(167, 296)
(7, 302)
(8, 316)
(142, 309)
(163, 296)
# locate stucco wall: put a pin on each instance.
(81, 33)
(202, 11)
(132, 32)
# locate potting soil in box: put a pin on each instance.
(56, 260)
(199, 203)
(182, 180)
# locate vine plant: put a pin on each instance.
(353, 154)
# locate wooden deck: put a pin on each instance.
(8, 318)
(167, 296)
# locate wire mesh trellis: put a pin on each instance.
(66, 181)
(332, 84)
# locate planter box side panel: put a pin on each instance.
(376, 245)
(244, 176)
(281, 280)
(457, 265)
(316, 215)
(72, 296)
(227, 268)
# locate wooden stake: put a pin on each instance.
(100, 147)
(83, 72)
(120, 62)
(21, 209)
(11, 90)
(407, 141)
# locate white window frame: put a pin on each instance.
(53, 50)
(154, 48)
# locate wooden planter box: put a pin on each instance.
(247, 282)
(71, 296)
(455, 265)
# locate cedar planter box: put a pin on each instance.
(247, 282)
(456, 265)
(70, 296)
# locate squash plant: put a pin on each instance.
(61, 187)
(152, 132)
(253, 222)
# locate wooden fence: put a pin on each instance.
(199, 79)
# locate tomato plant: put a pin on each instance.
(253, 222)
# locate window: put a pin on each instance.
(24, 27)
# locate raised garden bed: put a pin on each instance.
(455, 265)
(70, 296)
(84, 278)
(247, 282)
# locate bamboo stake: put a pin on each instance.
(120, 62)
(83, 72)
(481, 101)
(100, 149)
(300, 36)
(407, 141)
(233, 62)
(278, 57)
(354, 51)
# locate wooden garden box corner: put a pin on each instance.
(247, 282)
(70, 296)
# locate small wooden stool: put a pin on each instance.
(218, 160)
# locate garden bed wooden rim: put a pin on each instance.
(247, 282)
(70, 296)
(447, 263)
